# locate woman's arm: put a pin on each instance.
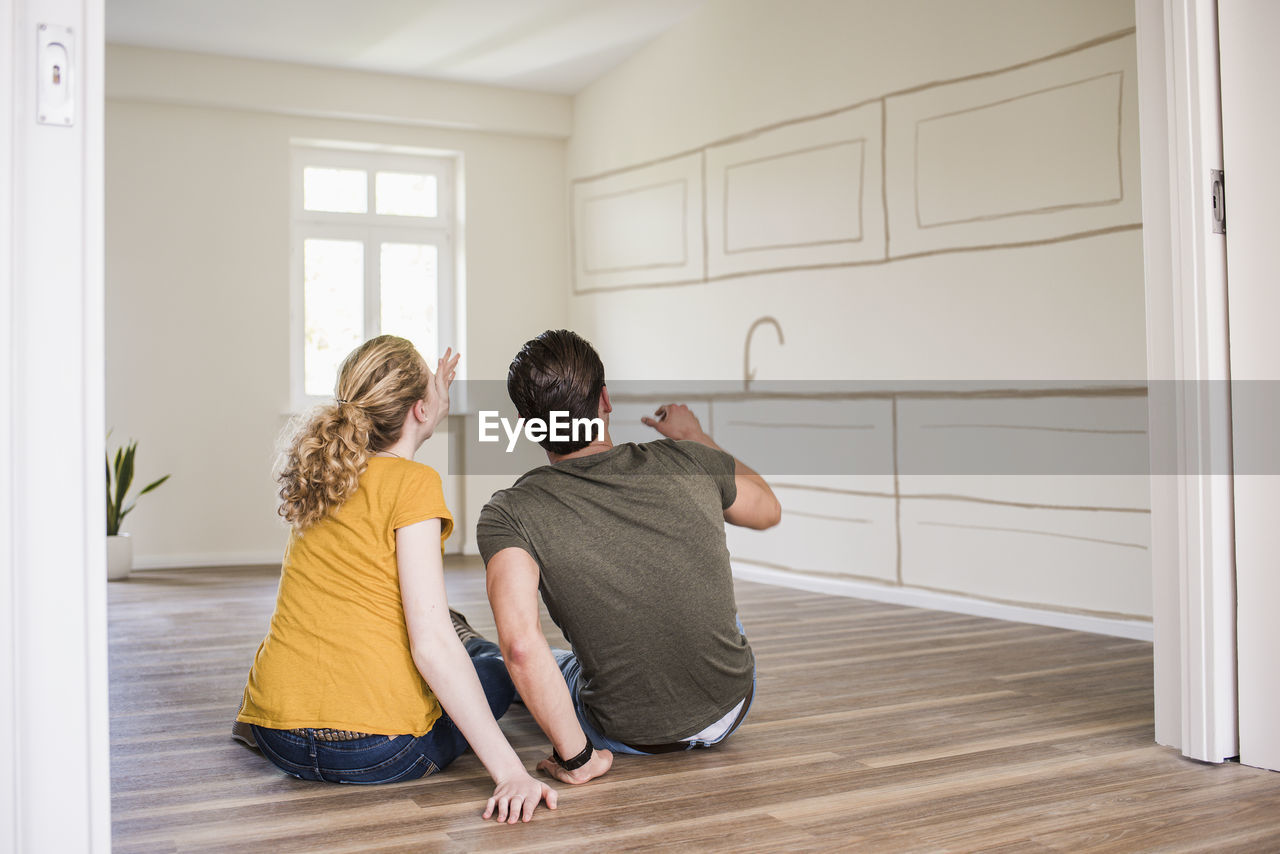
(445, 665)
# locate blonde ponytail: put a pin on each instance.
(377, 384)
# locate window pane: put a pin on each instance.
(409, 296)
(333, 308)
(403, 194)
(335, 190)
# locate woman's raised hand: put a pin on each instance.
(446, 369)
(438, 388)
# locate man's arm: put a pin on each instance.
(512, 584)
(756, 506)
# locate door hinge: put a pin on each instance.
(1218, 196)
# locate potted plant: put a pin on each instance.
(119, 479)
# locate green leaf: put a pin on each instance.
(113, 526)
(124, 475)
(119, 480)
(151, 486)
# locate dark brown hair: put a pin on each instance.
(559, 371)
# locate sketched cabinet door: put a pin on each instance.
(1250, 65)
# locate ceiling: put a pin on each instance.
(542, 45)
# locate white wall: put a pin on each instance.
(198, 266)
(710, 181)
(55, 794)
(918, 193)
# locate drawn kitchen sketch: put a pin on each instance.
(887, 238)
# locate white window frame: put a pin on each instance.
(372, 229)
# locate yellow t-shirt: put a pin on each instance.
(336, 654)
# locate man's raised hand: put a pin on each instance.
(676, 421)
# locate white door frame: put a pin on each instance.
(1193, 571)
(1247, 32)
(54, 793)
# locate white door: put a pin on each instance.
(1249, 31)
(55, 794)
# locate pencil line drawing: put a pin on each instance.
(797, 195)
(896, 555)
(684, 226)
(779, 201)
(834, 490)
(748, 372)
(1050, 215)
(880, 582)
(802, 425)
(1035, 533)
(706, 239)
(1031, 427)
(1083, 392)
(856, 237)
(1027, 505)
(884, 173)
(906, 256)
(751, 134)
(809, 515)
(1118, 196)
(943, 496)
(639, 228)
(1063, 609)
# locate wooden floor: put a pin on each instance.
(875, 728)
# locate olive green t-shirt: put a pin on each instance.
(635, 572)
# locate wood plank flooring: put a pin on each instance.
(875, 728)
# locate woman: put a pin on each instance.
(361, 653)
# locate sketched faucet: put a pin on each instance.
(748, 373)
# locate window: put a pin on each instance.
(374, 237)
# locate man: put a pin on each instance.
(626, 544)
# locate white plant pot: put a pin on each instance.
(119, 557)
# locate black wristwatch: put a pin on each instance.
(576, 762)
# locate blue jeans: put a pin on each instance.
(388, 758)
(571, 669)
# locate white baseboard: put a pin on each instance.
(199, 559)
(916, 598)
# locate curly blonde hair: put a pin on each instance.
(377, 384)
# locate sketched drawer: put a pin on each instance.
(965, 160)
(825, 533)
(638, 226)
(1087, 560)
(1088, 452)
(791, 440)
(805, 194)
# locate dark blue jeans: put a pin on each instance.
(388, 758)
